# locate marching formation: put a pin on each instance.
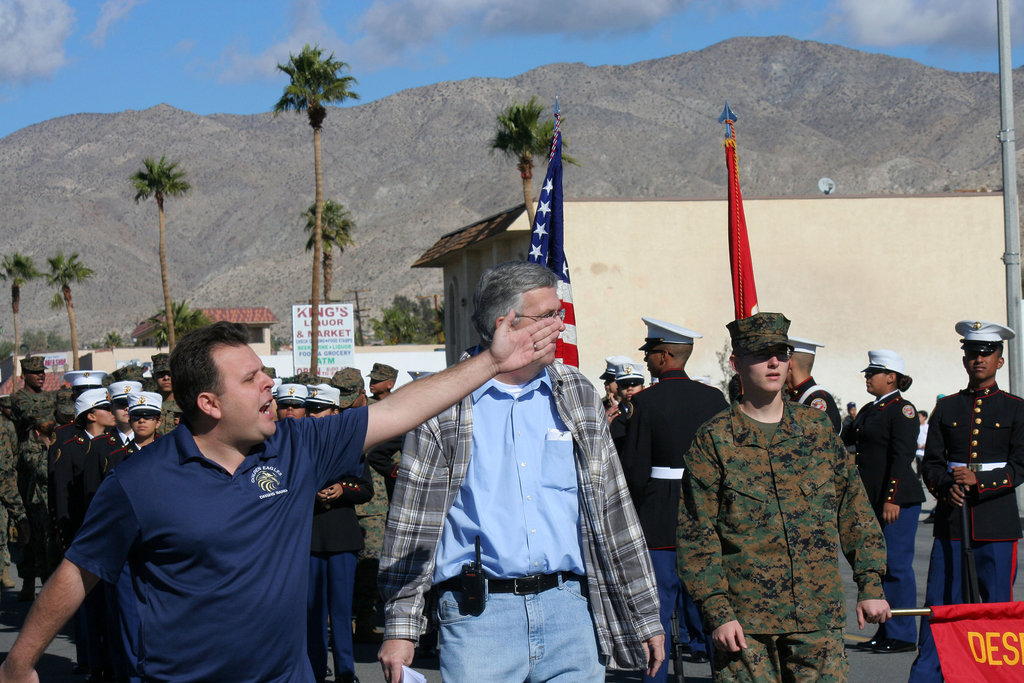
(212, 509)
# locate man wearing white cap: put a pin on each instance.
(629, 381)
(76, 469)
(80, 380)
(802, 388)
(974, 456)
(120, 393)
(291, 400)
(611, 389)
(666, 417)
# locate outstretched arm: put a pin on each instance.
(60, 597)
(514, 347)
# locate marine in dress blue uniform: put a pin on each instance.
(334, 545)
(802, 388)
(974, 456)
(629, 380)
(885, 436)
(665, 418)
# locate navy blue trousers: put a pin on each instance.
(672, 597)
(331, 581)
(899, 582)
(997, 568)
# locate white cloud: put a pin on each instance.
(111, 11)
(32, 36)
(238, 64)
(938, 23)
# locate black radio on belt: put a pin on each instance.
(474, 585)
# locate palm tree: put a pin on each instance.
(63, 273)
(521, 135)
(336, 224)
(17, 269)
(161, 179)
(185, 319)
(316, 81)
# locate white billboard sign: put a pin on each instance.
(337, 338)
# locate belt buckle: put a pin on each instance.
(974, 467)
(527, 586)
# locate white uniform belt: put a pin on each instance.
(811, 390)
(667, 472)
(977, 467)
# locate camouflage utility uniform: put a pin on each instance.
(12, 512)
(766, 510)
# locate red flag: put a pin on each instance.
(744, 293)
(980, 642)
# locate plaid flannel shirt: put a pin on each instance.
(620, 580)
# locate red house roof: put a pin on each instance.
(253, 315)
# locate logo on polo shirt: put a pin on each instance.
(268, 479)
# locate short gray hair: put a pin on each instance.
(501, 288)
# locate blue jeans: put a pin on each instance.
(548, 636)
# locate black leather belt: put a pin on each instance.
(523, 585)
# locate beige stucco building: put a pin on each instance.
(854, 273)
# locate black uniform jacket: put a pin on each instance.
(335, 525)
(665, 418)
(976, 427)
(820, 399)
(75, 474)
(885, 434)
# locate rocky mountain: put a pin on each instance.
(417, 164)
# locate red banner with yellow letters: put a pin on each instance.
(980, 642)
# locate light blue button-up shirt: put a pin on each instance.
(520, 491)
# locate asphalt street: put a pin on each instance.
(55, 665)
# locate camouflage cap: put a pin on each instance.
(128, 373)
(271, 372)
(382, 372)
(64, 405)
(350, 383)
(32, 364)
(161, 363)
(759, 331)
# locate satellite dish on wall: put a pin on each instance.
(827, 185)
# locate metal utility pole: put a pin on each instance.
(1011, 218)
(359, 314)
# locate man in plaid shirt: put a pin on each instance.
(525, 470)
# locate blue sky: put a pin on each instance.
(60, 57)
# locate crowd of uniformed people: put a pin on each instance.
(56, 448)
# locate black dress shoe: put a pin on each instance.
(871, 645)
(891, 645)
(699, 656)
(79, 669)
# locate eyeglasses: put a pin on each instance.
(134, 417)
(627, 383)
(120, 403)
(664, 351)
(782, 355)
(560, 314)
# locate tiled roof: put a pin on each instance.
(252, 315)
(463, 237)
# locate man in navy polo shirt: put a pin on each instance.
(214, 520)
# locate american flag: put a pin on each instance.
(547, 245)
